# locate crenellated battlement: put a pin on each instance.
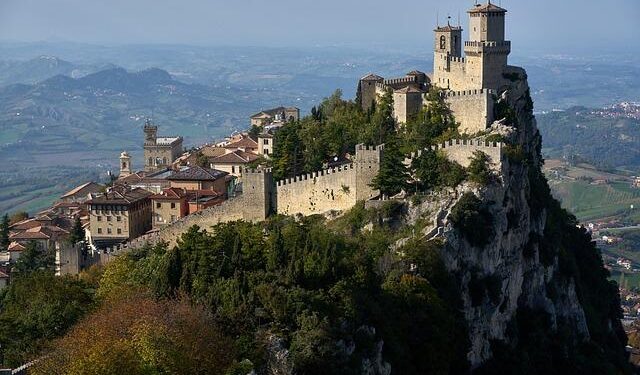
(462, 150)
(401, 80)
(456, 59)
(476, 92)
(315, 175)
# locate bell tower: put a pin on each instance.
(150, 133)
(125, 164)
(447, 49)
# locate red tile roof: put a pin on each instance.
(236, 157)
(170, 194)
(245, 142)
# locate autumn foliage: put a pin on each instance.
(141, 335)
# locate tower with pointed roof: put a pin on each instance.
(485, 52)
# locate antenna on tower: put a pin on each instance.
(458, 18)
(448, 20)
(437, 18)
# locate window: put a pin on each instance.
(265, 151)
(164, 161)
(173, 205)
(265, 141)
(99, 218)
(99, 230)
(443, 42)
(150, 161)
(124, 165)
(108, 218)
(119, 230)
(118, 218)
(158, 205)
(108, 230)
(233, 169)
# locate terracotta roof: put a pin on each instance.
(243, 143)
(16, 246)
(197, 173)
(171, 194)
(25, 224)
(487, 8)
(192, 194)
(372, 77)
(236, 157)
(132, 178)
(121, 196)
(29, 235)
(212, 151)
(76, 190)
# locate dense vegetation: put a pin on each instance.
(336, 126)
(336, 300)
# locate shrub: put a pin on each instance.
(473, 220)
(479, 169)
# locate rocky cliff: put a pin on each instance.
(532, 284)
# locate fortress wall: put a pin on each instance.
(473, 109)
(398, 83)
(461, 151)
(318, 192)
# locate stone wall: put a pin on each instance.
(473, 109)
(331, 189)
(317, 192)
(461, 151)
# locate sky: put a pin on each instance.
(550, 25)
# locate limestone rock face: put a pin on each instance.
(523, 280)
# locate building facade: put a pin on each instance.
(119, 215)
(159, 152)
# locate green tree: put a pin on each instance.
(36, 308)
(35, 258)
(432, 169)
(4, 233)
(479, 168)
(77, 232)
(393, 175)
(288, 157)
(383, 123)
(433, 124)
(255, 131)
(202, 160)
(18, 217)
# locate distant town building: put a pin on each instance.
(81, 193)
(234, 162)
(125, 164)
(159, 152)
(200, 178)
(278, 116)
(168, 206)
(265, 144)
(119, 215)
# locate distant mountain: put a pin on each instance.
(43, 67)
(104, 111)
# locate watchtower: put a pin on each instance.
(367, 90)
(150, 133)
(487, 50)
(447, 47)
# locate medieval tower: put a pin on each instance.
(159, 152)
(125, 164)
(469, 72)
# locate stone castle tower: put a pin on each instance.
(470, 72)
(159, 152)
(486, 51)
(125, 164)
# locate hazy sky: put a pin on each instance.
(559, 24)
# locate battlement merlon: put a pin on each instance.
(463, 150)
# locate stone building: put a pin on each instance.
(159, 152)
(470, 81)
(200, 178)
(278, 115)
(168, 206)
(119, 215)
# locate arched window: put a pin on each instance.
(124, 165)
(150, 161)
(443, 42)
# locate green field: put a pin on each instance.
(626, 280)
(590, 202)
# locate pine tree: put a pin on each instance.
(77, 232)
(393, 175)
(4, 233)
